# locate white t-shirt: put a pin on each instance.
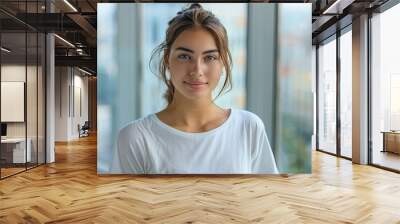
(239, 145)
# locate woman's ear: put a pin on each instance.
(168, 75)
(166, 61)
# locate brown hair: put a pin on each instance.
(193, 16)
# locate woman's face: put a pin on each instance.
(194, 64)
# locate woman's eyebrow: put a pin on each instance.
(210, 51)
(191, 51)
(184, 49)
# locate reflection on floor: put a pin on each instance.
(386, 159)
(346, 152)
(10, 169)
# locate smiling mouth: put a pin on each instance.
(196, 86)
(195, 83)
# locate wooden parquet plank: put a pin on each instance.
(70, 191)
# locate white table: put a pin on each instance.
(18, 145)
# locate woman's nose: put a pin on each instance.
(197, 68)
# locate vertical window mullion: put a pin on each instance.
(316, 95)
(369, 93)
(0, 91)
(37, 89)
(26, 86)
(338, 74)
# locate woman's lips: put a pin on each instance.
(195, 85)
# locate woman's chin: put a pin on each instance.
(196, 95)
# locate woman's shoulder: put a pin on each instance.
(249, 118)
(136, 126)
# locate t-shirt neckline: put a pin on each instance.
(192, 134)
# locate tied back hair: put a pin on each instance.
(190, 17)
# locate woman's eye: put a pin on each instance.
(210, 58)
(183, 57)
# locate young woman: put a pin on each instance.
(192, 134)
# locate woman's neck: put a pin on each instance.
(198, 115)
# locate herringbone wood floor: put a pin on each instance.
(70, 191)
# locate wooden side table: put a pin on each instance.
(391, 141)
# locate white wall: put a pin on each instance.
(16, 73)
(33, 126)
(71, 87)
(79, 115)
(61, 103)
